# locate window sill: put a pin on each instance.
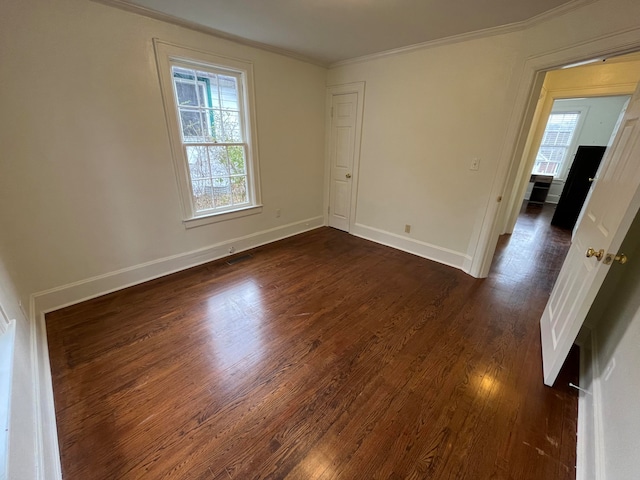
(221, 216)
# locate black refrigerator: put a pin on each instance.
(583, 170)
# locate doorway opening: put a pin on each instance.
(608, 204)
(574, 120)
(574, 139)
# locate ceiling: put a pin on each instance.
(330, 31)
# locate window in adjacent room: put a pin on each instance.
(556, 141)
(209, 106)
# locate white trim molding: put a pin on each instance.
(590, 458)
(76, 292)
(7, 342)
(463, 37)
(47, 448)
(422, 249)
(4, 320)
(487, 32)
(164, 17)
(598, 429)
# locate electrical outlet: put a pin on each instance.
(278, 213)
(232, 249)
(475, 164)
(407, 228)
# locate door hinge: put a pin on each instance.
(331, 112)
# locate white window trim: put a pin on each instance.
(168, 54)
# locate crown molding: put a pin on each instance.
(163, 17)
(556, 12)
(477, 34)
(463, 37)
(628, 43)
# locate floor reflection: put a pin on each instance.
(528, 255)
(236, 323)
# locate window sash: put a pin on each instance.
(213, 190)
(213, 193)
(557, 138)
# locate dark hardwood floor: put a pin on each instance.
(323, 356)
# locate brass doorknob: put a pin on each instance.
(348, 175)
(593, 253)
(620, 258)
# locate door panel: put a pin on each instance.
(342, 148)
(609, 210)
(340, 200)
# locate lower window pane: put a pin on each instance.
(203, 195)
(218, 176)
(222, 192)
(236, 160)
(239, 190)
(219, 162)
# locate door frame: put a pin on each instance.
(359, 89)
(543, 110)
(510, 168)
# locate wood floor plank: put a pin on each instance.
(322, 356)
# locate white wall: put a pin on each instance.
(600, 117)
(615, 321)
(87, 181)
(428, 112)
(87, 177)
(22, 418)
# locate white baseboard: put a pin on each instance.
(598, 430)
(452, 258)
(590, 445)
(585, 450)
(65, 295)
(47, 448)
(7, 342)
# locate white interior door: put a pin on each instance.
(342, 150)
(605, 219)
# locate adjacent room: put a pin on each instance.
(293, 240)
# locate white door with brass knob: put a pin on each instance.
(343, 150)
(604, 221)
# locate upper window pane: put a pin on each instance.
(209, 106)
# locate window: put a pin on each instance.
(208, 106)
(555, 144)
